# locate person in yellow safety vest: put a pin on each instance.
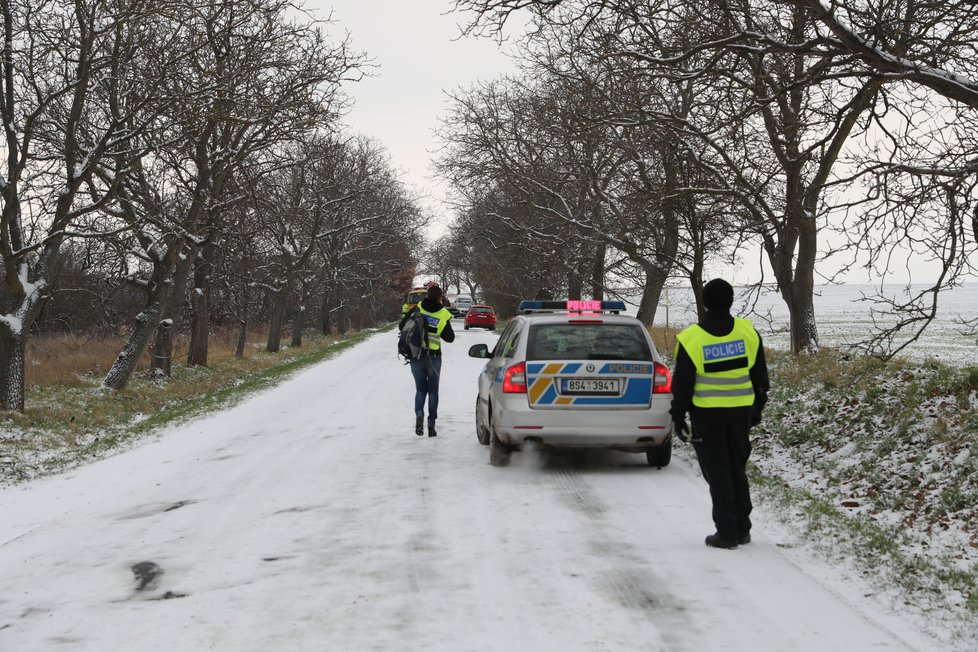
(427, 369)
(721, 380)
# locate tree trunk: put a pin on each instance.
(172, 312)
(239, 348)
(597, 272)
(326, 313)
(655, 280)
(342, 320)
(574, 286)
(200, 302)
(297, 323)
(13, 345)
(797, 284)
(696, 283)
(199, 327)
(125, 364)
(163, 350)
(275, 328)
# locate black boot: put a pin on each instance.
(431, 430)
(419, 426)
(716, 541)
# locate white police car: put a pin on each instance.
(574, 374)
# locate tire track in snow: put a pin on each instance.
(419, 543)
(626, 577)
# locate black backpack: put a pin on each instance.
(412, 341)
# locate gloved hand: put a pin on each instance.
(755, 418)
(681, 430)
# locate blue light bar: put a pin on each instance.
(583, 307)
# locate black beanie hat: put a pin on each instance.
(718, 295)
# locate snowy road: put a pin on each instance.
(310, 517)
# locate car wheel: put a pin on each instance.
(498, 451)
(492, 328)
(481, 432)
(660, 456)
(466, 327)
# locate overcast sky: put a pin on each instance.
(418, 53)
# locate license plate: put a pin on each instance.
(591, 386)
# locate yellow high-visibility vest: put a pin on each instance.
(436, 324)
(723, 364)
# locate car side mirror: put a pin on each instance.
(479, 351)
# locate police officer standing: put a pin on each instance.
(427, 369)
(721, 379)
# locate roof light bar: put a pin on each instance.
(581, 307)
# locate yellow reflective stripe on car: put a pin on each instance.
(539, 386)
(544, 380)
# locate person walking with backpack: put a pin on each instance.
(721, 379)
(426, 368)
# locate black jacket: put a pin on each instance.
(684, 375)
(447, 335)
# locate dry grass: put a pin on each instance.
(69, 417)
(74, 360)
(665, 340)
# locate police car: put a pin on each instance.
(576, 374)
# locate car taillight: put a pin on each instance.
(662, 383)
(514, 381)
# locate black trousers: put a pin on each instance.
(721, 438)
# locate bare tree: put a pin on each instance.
(78, 89)
(276, 78)
(371, 249)
(927, 43)
(252, 80)
(781, 113)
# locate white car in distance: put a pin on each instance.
(463, 302)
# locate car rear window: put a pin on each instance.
(479, 311)
(587, 342)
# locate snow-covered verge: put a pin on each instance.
(878, 463)
(102, 422)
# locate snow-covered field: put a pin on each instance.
(310, 517)
(844, 318)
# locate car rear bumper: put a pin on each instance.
(625, 429)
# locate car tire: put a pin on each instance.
(466, 327)
(660, 456)
(481, 432)
(498, 451)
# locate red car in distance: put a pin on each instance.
(480, 317)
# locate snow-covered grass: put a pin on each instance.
(65, 424)
(879, 462)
